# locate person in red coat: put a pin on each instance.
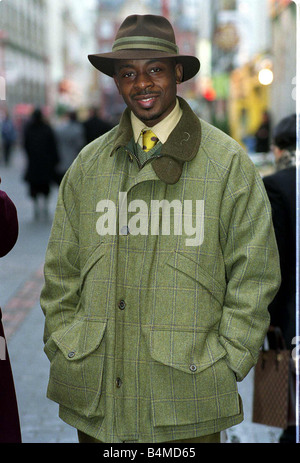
(9, 417)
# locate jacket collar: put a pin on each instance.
(182, 145)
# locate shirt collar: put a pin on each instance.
(162, 130)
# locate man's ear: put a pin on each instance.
(178, 73)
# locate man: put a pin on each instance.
(281, 190)
(160, 265)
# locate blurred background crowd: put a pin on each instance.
(247, 50)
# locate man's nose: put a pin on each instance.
(143, 81)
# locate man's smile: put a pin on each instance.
(146, 101)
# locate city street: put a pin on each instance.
(21, 280)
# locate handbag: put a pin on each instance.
(272, 373)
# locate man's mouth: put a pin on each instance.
(146, 101)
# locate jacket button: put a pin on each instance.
(122, 304)
(193, 367)
(71, 354)
(118, 382)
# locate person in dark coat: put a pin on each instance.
(262, 135)
(94, 126)
(9, 417)
(281, 190)
(42, 156)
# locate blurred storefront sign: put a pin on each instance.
(226, 37)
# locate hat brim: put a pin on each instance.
(105, 62)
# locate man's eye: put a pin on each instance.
(156, 69)
(127, 74)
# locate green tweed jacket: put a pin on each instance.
(158, 279)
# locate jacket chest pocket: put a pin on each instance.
(96, 274)
(186, 295)
(191, 272)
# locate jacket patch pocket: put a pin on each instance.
(77, 366)
(190, 380)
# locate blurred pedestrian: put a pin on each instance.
(263, 135)
(9, 136)
(149, 332)
(281, 189)
(9, 416)
(70, 140)
(95, 126)
(42, 157)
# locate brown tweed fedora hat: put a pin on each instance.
(145, 37)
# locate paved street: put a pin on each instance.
(20, 283)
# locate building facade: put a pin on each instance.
(23, 58)
(284, 32)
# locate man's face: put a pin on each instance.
(148, 87)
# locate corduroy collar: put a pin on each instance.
(181, 146)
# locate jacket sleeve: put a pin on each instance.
(60, 294)
(251, 262)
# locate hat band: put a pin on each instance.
(146, 43)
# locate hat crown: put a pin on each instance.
(145, 37)
(146, 26)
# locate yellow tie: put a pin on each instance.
(149, 140)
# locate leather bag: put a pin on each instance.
(272, 375)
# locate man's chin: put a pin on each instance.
(147, 116)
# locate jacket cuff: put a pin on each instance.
(238, 358)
